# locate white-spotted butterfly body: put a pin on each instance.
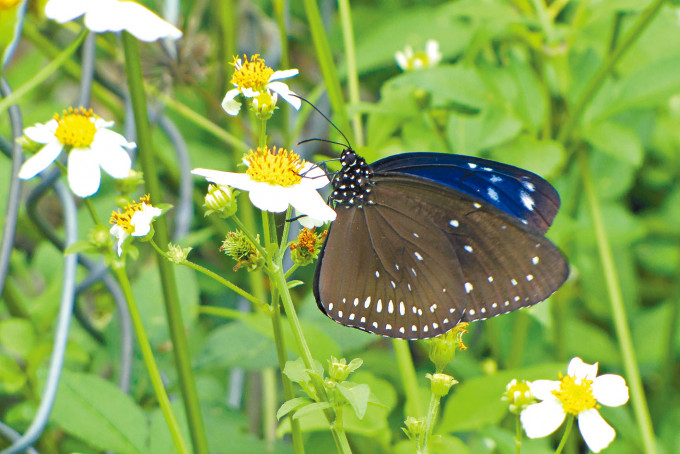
(423, 241)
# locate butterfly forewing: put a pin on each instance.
(424, 256)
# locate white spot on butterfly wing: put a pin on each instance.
(513, 282)
(351, 316)
(330, 306)
(377, 274)
(378, 306)
(530, 277)
(493, 195)
(367, 303)
(390, 307)
(477, 205)
(527, 200)
(418, 256)
(468, 287)
(468, 248)
(495, 179)
(339, 314)
(529, 186)
(402, 308)
(535, 260)
(454, 223)
(472, 165)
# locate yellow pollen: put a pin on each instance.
(575, 395)
(75, 128)
(253, 74)
(276, 167)
(123, 219)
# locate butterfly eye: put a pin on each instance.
(349, 159)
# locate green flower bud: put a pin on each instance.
(339, 370)
(220, 199)
(306, 248)
(518, 396)
(415, 428)
(237, 246)
(441, 384)
(443, 348)
(178, 254)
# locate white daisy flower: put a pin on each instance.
(408, 60)
(253, 79)
(276, 179)
(113, 16)
(577, 394)
(90, 145)
(134, 221)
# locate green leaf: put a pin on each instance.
(476, 402)
(615, 140)
(357, 396)
(99, 413)
(17, 336)
(237, 345)
(312, 408)
(12, 378)
(292, 404)
(80, 246)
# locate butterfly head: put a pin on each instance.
(351, 186)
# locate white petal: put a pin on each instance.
(610, 390)
(249, 92)
(114, 160)
(285, 74)
(312, 204)
(40, 133)
(121, 235)
(542, 419)
(83, 172)
(233, 179)
(112, 137)
(542, 389)
(313, 176)
(308, 221)
(144, 24)
(141, 220)
(283, 90)
(41, 160)
(105, 17)
(229, 104)
(577, 368)
(432, 51)
(402, 62)
(67, 10)
(595, 431)
(270, 198)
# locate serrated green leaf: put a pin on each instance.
(292, 404)
(357, 395)
(99, 413)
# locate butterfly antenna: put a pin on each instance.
(329, 121)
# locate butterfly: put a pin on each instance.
(423, 241)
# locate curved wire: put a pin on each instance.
(12, 435)
(63, 322)
(14, 188)
(21, 13)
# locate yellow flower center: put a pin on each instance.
(253, 74)
(123, 219)
(575, 395)
(276, 167)
(7, 4)
(75, 127)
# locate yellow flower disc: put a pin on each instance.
(253, 74)
(123, 219)
(75, 128)
(575, 396)
(276, 167)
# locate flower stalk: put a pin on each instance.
(133, 70)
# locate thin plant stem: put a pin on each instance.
(565, 435)
(279, 280)
(520, 331)
(280, 11)
(133, 70)
(598, 79)
(432, 412)
(518, 434)
(149, 361)
(43, 74)
(201, 269)
(351, 60)
(325, 57)
(408, 375)
(90, 207)
(621, 324)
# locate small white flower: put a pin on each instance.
(113, 16)
(90, 145)
(577, 393)
(408, 60)
(276, 179)
(134, 221)
(253, 78)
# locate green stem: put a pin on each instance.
(621, 324)
(545, 20)
(520, 331)
(432, 412)
(149, 361)
(599, 78)
(90, 207)
(565, 435)
(518, 434)
(408, 375)
(279, 7)
(43, 74)
(352, 75)
(279, 280)
(133, 69)
(246, 232)
(233, 287)
(325, 58)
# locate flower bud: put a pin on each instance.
(443, 347)
(339, 370)
(178, 254)
(441, 384)
(518, 395)
(237, 246)
(220, 199)
(306, 248)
